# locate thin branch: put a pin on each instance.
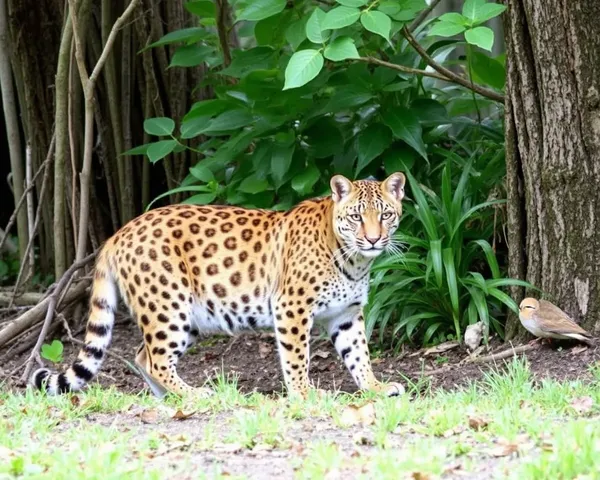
(511, 352)
(89, 84)
(54, 300)
(449, 74)
(402, 68)
(20, 203)
(30, 203)
(423, 15)
(38, 216)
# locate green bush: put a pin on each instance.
(319, 89)
(448, 276)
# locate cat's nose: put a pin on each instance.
(372, 240)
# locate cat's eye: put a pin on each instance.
(386, 215)
(356, 217)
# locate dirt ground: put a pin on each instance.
(253, 359)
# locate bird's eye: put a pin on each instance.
(386, 215)
(356, 217)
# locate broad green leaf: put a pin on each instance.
(347, 97)
(304, 182)
(206, 108)
(193, 34)
(454, 17)
(406, 127)
(194, 127)
(471, 8)
(352, 3)
(202, 173)
(408, 9)
(159, 126)
(253, 184)
(159, 150)
(246, 61)
(341, 48)
(139, 150)
(371, 143)
(201, 8)
(295, 34)
(229, 120)
(191, 55)
(483, 37)
(302, 68)
(314, 27)
(281, 161)
(488, 11)
(430, 112)
(271, 31)
(200, 199)
(258, 9)
(187, 188)
(340, 17)
(377, 22)
(323, 138)
(487, 70)
(446, 29)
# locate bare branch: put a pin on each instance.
(402, 68)
(20, 203)
(423, 15)
(89, 84)
(53, 300)
(449, 74)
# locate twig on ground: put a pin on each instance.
(511, 352)
(53, 302)
(449, 74)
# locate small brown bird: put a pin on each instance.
(545, 320)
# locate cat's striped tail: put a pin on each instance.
(103, 304)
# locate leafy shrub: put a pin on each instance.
(321, 89)
(439, 285)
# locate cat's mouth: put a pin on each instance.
(371, 252)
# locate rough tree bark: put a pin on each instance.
(553, 152)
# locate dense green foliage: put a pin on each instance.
(302, 99)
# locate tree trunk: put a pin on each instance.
(553, 153)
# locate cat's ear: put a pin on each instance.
(340, 188)
(394, 185)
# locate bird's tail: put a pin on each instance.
(103, 304)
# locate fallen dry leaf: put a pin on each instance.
(179, 415)
(478, 423)
(582, 404)
(353, 415)
(504, 450)
(228, 447)
(579, 349)
(149, 415)
(441, 348)
(265, 349)
(321, 354)
(453, 431)
(420, 476)
(75, 401)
